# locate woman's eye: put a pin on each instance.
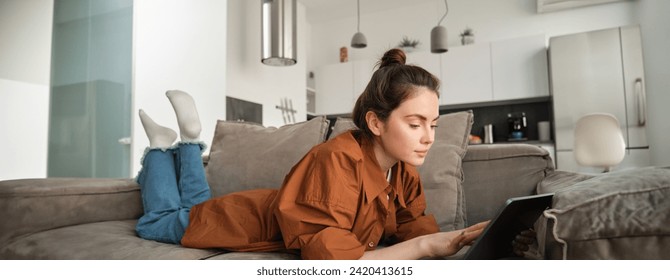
(414, 125)
(434, 126)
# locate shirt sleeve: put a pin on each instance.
(317, 206)
(412, 220)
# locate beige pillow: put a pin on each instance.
(247, 156)
(341, 125)
(441, 173)
(618, 215)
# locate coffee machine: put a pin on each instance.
(517, 126)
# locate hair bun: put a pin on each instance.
(392, 57)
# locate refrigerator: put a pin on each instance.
(599, 71)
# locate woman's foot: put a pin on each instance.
(159, 136)
(187, 115)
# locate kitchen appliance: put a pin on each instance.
(488, 134)
(544, 131)
(599, 72)
(517, 126)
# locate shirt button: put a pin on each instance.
(371, 244)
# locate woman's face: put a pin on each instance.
(409, 131)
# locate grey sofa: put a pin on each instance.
(95, 218)
(79, 218)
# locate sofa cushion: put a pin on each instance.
(113, 240)
(618, 215)
(249, 156)
(36, 205)
(558, 180)
(441, 173)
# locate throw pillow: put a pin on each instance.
(341, 125)
(618, 215)
(442, 172)
(247, 156)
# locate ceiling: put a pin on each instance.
(326, 10)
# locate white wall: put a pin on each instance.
(655, 25)
(25, 59)
(248, 79)
(178, 44)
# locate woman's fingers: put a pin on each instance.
(481, 225)
(470, 236)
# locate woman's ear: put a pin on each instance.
(374, 123)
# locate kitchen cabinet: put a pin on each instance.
(363, 70)
(466, 74)
(338, 86)
(427, 60)
(334, 88)
(482, 72)
(519, 68)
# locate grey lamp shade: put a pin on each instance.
(359, 41)
(279, 31)
(438, 39)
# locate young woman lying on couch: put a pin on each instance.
(338, 202)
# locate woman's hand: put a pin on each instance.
(449, 243)
(440, 244)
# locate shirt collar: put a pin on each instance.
(374, 179)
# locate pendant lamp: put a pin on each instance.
(278, 39)
(438, 36)
(359, 41)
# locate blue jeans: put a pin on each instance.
(172, 181)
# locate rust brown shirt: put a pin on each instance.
(336, 203)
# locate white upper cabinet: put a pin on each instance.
(339, 85)
(466, 74)
(482, 72)
(427, 60)
(519, 68)
(334, 88)
(363, 70)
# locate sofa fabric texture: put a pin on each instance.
(618, 215)
(490, 169)
(35, 205)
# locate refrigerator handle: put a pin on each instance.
(641, 102)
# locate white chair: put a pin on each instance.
(599, 141)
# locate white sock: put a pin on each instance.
(159, 136)
(187, 115)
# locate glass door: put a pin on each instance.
(90, 102)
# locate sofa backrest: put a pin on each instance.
(249, 156)
(497, 172)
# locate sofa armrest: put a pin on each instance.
(495, 173)
(35, 205)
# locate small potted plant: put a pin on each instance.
(408, 45)
(467, 36)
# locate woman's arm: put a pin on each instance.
(438, 244)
